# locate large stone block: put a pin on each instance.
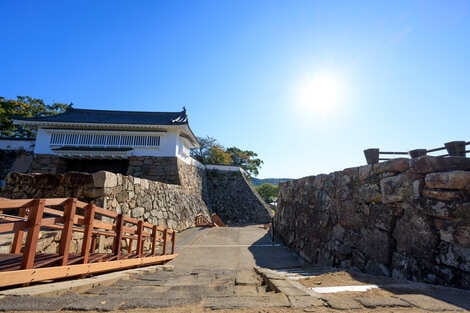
(377, 245)
(455, 256)
(366, 171)
(448, 180)
(443, 195)
(429, 164)
(397, 188)
(348, 215)
(369, 193)
(398, 165)
(104, 179)
(462, 236)
(93, 192)
(415, 235)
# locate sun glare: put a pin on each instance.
(319, 94)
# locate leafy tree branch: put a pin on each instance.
(211, 152)
(24, 106)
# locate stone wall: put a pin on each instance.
(48, 163)
(403, 218)
(155, 202)
(233, 198)
(14, 160)
(162, 169)
(192, 178)
(169, 170)
(229, 193)
(73, 184)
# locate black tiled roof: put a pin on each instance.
(73, 115)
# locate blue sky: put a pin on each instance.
(306, 84)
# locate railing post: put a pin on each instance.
(34, 226)
(173, 238)
(164, 241)
(154, 239)
(372, 155)
(66, 235)
(94, 240)
(19, 234)
(129, 247)
(455, 148)
(88, 233)
(118, 238)
(140, 230)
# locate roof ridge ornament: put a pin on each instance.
(182, 118)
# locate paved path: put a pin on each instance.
(231, 248)
(215, 269)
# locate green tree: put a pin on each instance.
(202, 153)
(217, 155)
(24, 106)
(246, 159)
(211, 152)
(268, 192)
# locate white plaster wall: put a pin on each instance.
(183, 149)
(43, 138)
(168, 144)
(7, 144)
(183, 152)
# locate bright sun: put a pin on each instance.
(319, 94)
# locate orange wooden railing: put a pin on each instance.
(28, 217)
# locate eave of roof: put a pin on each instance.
(72, 115)
(79, 118)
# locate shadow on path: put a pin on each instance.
(276, 256)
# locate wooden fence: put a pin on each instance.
(26, 218)
(453, 148)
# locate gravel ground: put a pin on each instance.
(200, 309)
(343, 278)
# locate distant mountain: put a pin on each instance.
(274, 181)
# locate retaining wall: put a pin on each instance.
(14, 160)
(227, 193)
(403, 218)
(156, 202)
(234, 199)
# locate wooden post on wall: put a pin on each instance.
(34, 226)
(88, 233)
(372, 155)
